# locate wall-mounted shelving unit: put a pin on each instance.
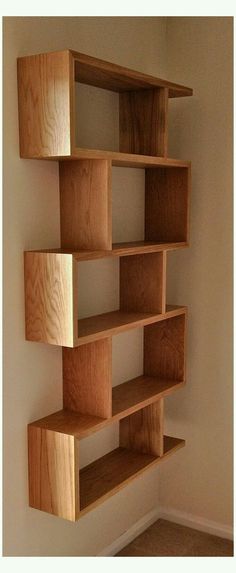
(47, 116)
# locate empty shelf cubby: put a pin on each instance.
(87, 372)
(59, 486)
(86, 208)
(52, 292)
(50, 79)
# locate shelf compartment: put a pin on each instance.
(57, 486)
(110, 323)
(51, 290)
(87, 372)
(140, 392)
(81, 426)
(50, 80)
(86, 207)
(106, 476)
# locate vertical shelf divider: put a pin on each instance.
(85, 204)
(143, 122)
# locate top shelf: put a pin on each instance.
(102, 74)
(49, 110)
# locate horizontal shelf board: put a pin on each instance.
(107, 475)
(106, 75)
(71, 423)
(110, 323)
(127, 398)
(118, 250)
(140, 392)
(133, 248)
(127, 159)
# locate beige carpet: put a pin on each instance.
(166, 539)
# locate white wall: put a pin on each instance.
(199, 479)
(31, 211)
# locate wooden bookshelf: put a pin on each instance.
(47, 116)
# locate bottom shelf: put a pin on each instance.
(107, 475)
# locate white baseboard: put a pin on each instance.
(131, 533)
(196, 522)
(174, 515)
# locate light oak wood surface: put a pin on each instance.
(109, 474)
(110, 76)
(45, 98)
(143, 430)
(164, 349)
(85, 204)
(143, 122)
(167, 205)
(124, 159)
(87, 378)
(110, 323)
(47, 119)
(140, 392)
(53, 472)
(127, 398)
(46, 95)
(117, 158)
(118, 250)
(50, 298)
(142, 283)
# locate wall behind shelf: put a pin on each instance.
(199, 480)
(31, 214)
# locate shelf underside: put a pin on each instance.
(119, 250)
(106, 75)
(111, 323)
(107, 475)
(127, 398)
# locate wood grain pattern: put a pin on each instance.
(118, 250)
(45, 99)
(107, 475)
(127, 398)
(110, 323)
(53, 473)
(87, 378)
(143, 431)
(164, 349)
(166, 205)
(110, 76)
(50, 298)
(141, 283)
(71, 423)
(85, 204)
(140, 392)
(126, 159)
(143, 122)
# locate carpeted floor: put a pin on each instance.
(166, 539)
